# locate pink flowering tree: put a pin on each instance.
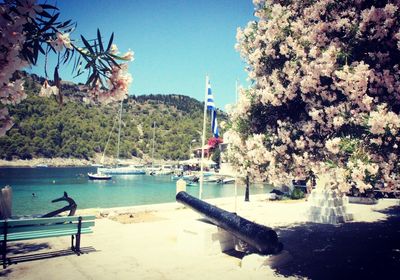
(28, 30)
(325, 94)
(213, 142)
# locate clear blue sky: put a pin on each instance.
(176, 42)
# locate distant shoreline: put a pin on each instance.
(62, 162)
(53, 162)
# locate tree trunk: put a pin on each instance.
(247, 193)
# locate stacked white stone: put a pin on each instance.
(328, 207)
(199, 237)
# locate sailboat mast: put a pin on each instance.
(152, 153)
(108, 141)
(119, 130)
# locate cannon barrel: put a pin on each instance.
(263, 239)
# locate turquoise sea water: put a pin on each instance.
(125, 190)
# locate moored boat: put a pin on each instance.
(228, 181)
(211, 179)
(124, 170)
(225, 180)
(165, 170)
(99, 176)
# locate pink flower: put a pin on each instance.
(28, 7)
(62, 41)
(114, 49)
(128, 56)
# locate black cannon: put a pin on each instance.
(262, 239)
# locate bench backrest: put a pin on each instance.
(43, 227)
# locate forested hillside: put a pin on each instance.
(43, 128)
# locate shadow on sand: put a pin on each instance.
(21, 252)
(356, 250)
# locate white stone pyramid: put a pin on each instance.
(328, 206)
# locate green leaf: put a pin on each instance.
(44, 14)
(110, 42)
(91, 78)
(113, 61)
(79, 69)
(47, 6)
(28, 55)
(35, 52)
(66, 56)
(64, 24)
(50, 23)
(118, 57)
(41, 49)
(76, 63)
(99, 40)
(87, 45)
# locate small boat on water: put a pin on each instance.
(165, 170)
(211, 179)
(176, 177)
(41, 165)
(99, 176)
(123, 170)
(226, 180)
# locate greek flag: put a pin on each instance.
(211, 106)
(210, 97)
(214, 124)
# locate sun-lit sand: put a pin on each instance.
(141, 243)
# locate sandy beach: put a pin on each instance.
(142, 242)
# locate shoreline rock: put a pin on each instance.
(65, 162)
(53, 162)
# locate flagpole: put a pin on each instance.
(236, 177)
(203, 140)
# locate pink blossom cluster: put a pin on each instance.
(61, 41)
(118, 86)
(12, 38)
(118, 81)
(326, 94)
(14, 16)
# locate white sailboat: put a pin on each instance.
(120, 169)
(99, 176)
(153, 169)
(157, 169)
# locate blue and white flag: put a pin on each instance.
(214, 124)
(210, 97)
(211, 106)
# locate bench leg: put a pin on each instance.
(78, 244)
(4, 253)
(72, 243)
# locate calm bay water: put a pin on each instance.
(124, 190)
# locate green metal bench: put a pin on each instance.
(17, 230)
